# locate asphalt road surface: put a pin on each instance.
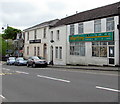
(22, 84)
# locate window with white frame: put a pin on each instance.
(34, 51)
(97, 26)
(58, 34)
(44, 33)
(35, 34)
(27, 35)
(99, 49)
(56, 51)
(60, 52)
(72, 29)
(77, 48)
(80, 28)
(51, 35)
(110, 24)
(38, 51)
(27, 50)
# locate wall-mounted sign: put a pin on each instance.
(106, 36)
(35, 41)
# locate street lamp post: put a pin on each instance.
(7, 47)
(51, 62)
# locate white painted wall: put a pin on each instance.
(58, 43)
(88, 59)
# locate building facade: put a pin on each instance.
(94, 42)
(93, 37)
(57, 46)
(37, 39)
(86, 38)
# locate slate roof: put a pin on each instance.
(97, 13)
(47, 23)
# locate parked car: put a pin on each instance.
(20, 61)
(35, 61)
(11, 61)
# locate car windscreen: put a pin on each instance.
(20, 58)
(11, 58)
(35, 57)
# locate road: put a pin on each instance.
(22, 84)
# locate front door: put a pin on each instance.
(111, 55)
(45, 51)
(51, 54)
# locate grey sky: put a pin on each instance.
(22, 14)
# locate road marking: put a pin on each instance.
(2, 74)
(53, 78)
(2, 96)
(22, 72)
(6, 69)
(109, 89)
(6, 73)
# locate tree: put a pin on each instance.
(3, 46)
(10, 33)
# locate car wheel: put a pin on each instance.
(27, 65)
(33, 65)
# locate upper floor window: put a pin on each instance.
(58, 35)
(110, 24)
(51, 35)
(35, 34)
(27, 35)
(72, 29)
(80, 28)
(97, 26)
(44, 33)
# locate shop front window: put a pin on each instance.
(77, 49)
(99, 49)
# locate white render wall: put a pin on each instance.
(58, 43)
(88, 59)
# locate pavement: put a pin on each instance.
(101, 68)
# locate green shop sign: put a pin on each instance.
(106, 36)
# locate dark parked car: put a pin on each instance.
(36, 61)
(20, 61)
(11, 61)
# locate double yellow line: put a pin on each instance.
(5, 73)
